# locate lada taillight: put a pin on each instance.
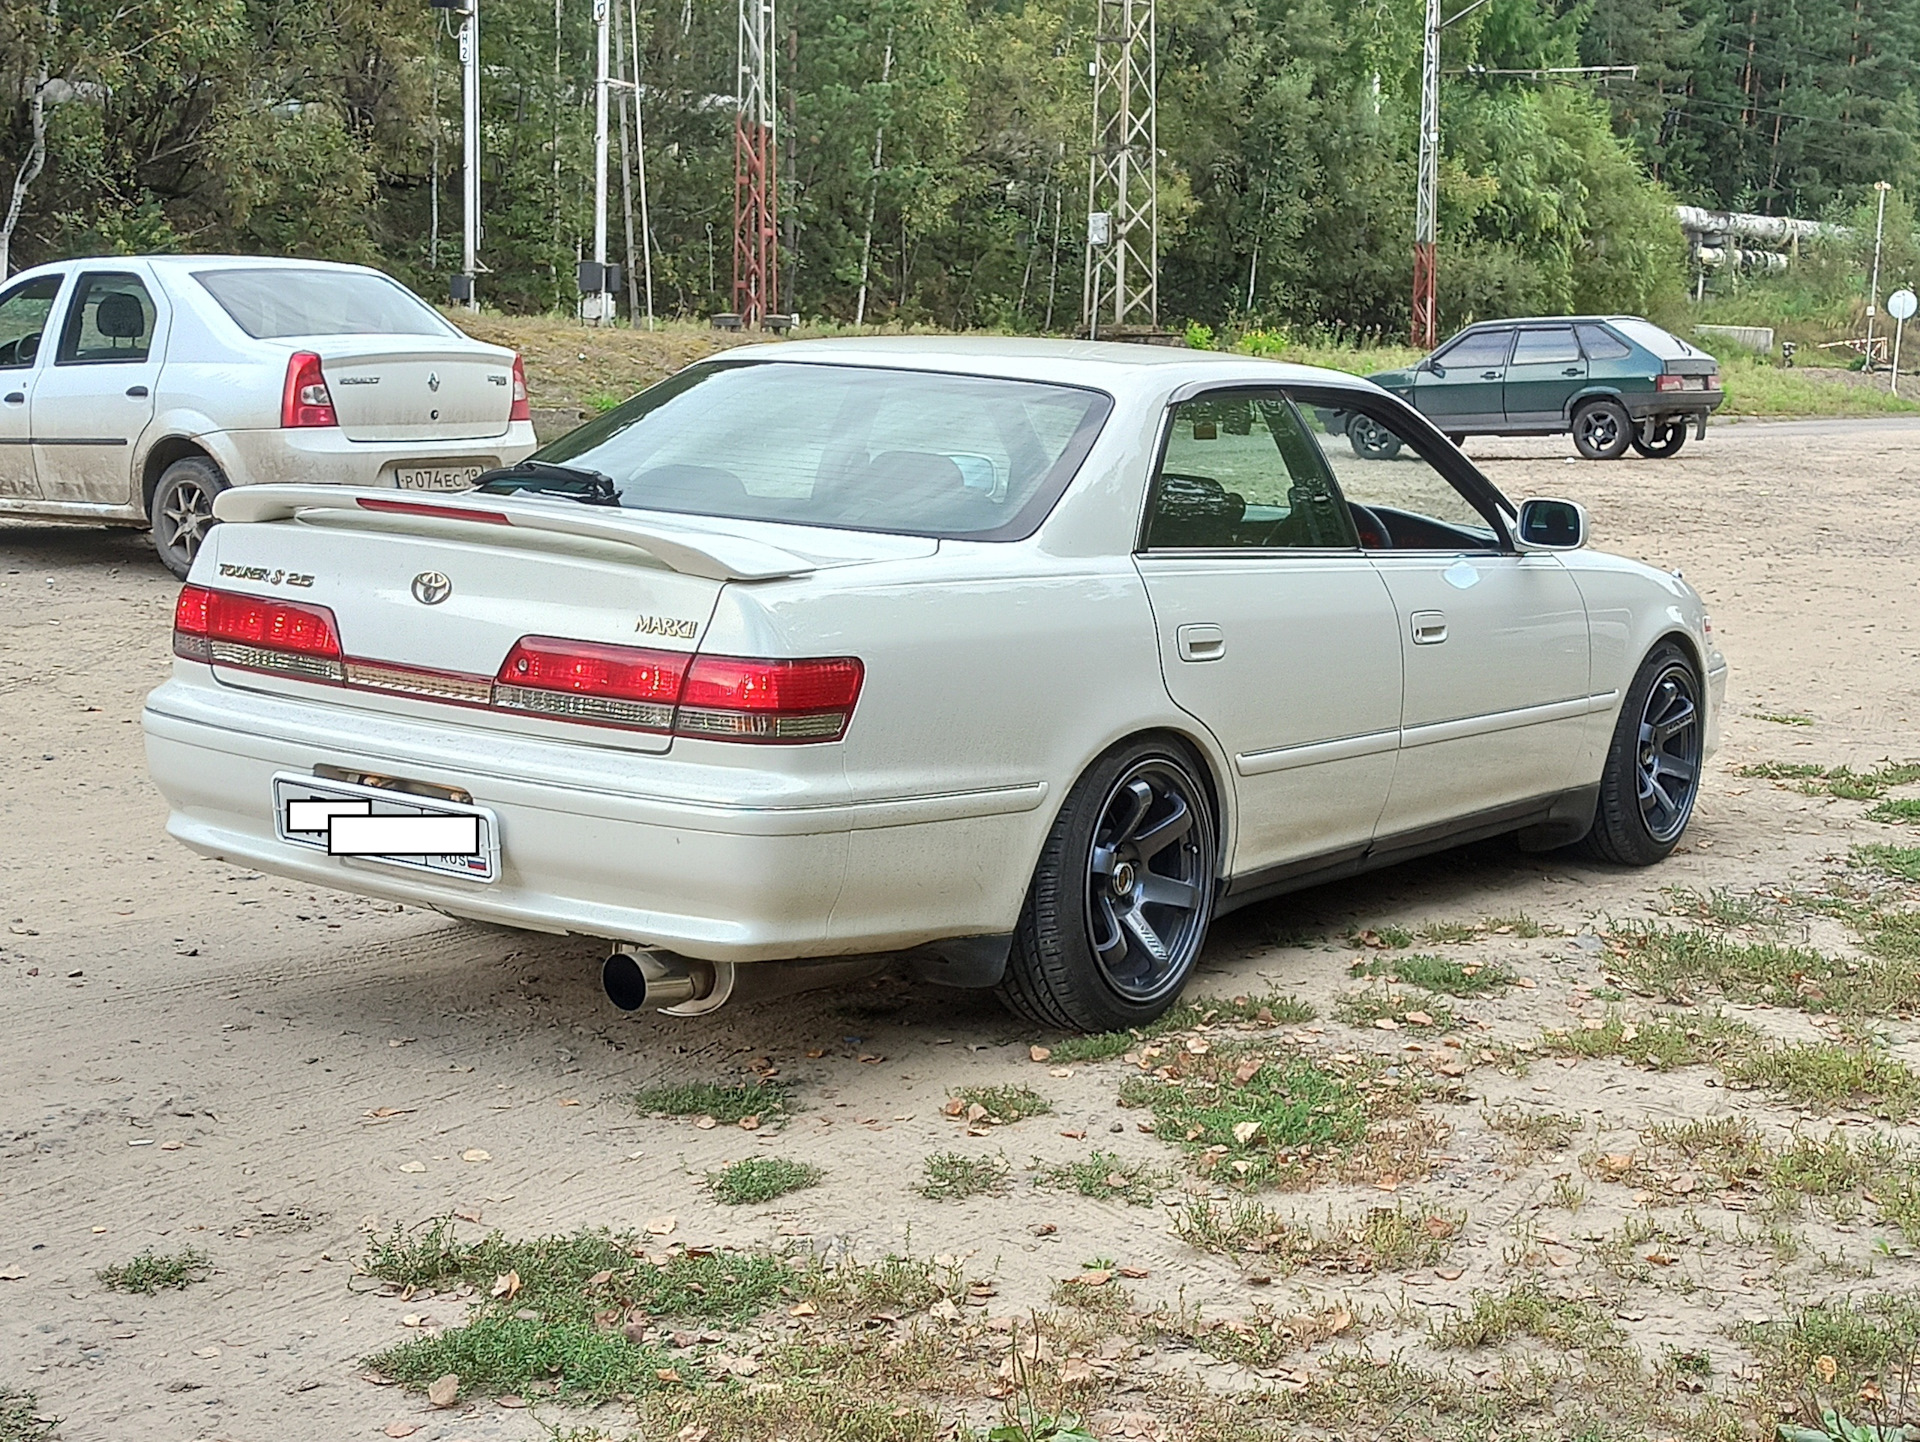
(257, 633)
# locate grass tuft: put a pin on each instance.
(1373, 1005)
(1438, 974)
(1532, 1135)
(761, 1179)
(21, 1419)
(1528, 1310)
(1384, 1239)
(1901, 861)
(1105, 1177)
(1827, 1075)
(500, 1352)
(950, 1177)
(1003, 1105)
(1683, 965)
(1253, 1011)
(725, 1104)
(152, 1272)
(1660, 1043)
(1840, 781)
(1902, 811)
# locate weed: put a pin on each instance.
(1438, 974)
(1680, 965)
(21, 1419)
(1860, 1355)
(896, 1283)
(1901, 861)
(725, 1104)
(151, 1272)
(1265, 1337)
(1390, 937)
(1567, 1194)
(1787, 718)
(1840, 781)
(1375, 1005)
(1002, 1104)
(1661, 1043)
(1689, 1363)
(761, 1179)
(1533, 1134)
(1827, 1075)
(1105, 1176)
(1717, 905)
(1779, 770)
(1093, 1290)
(1257, 1011)
(1384, 1239)
(949, 1176)
(1447, 933)
(1519, 924)
(503, 1352)
(1528, 1310)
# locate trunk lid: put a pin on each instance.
(416, 388)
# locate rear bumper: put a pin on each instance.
(324, 456)
(714, 862)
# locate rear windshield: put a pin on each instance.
(279, 302)
(856, 447)
(1646, 334)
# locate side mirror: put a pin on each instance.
(1431, 367)
(1548, 525)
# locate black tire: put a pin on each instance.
(1652, 774)
(1668, 436)
(1458, 440)
(1079, 961)
(182, 511)
(1372, 441)
(1602, 430)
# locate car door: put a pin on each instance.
(90, 406)
(1494, 643)
(26, 309)
(1460, 387)
(1546, 369)
(1274, 629)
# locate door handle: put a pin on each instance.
(1429, 627)
(1571, 371)
(1200, 642)
(137, 392)
(16, 398)
(1489, 375)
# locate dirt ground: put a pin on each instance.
(196, 1054)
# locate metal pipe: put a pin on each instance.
(655, 979)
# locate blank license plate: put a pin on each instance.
(436, 478)
(391, 827)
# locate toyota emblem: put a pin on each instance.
(430, 588)
(433, 381)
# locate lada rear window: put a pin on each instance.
(279, 301)
(911, 452)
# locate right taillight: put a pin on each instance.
(257, 633)
(731, 698)
(522, 407)
(305, 399)
(590, 681)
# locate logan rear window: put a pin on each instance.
(268, 304)
(856, 447)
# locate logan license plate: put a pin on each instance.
(394, 828)
(436, 478)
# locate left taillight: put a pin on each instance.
(631, 686)
(522, 408)
(732, 698)
(1669, 383)
(257, 633)
(305, 399)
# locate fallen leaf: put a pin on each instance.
(1244, 1132)
(1386, 1023)
(599, 1279)
(206, 1352)
(1662, 1259)
(693, 1432)
(569, 1101)
(476, 1154)
(1247, 1071)
(1134, 1273)
(1826, 1367)
(953, 1106)
(750, 1124)
(506, 1286)
(382, 1113)
(1076, 1369)
(1197, 1046)
(413, 1166)
(510, 1401)
(666, 1374)
(1075, 1136)
(873, 1060)
(443, 1391)
(1339, 1321)
(1099, 1277)
(1525, 983)
(401, 1429)
(1449, 1274)
(1119, 1181)
(803, 1309)
(1062, 1072)
(1419, 1018)
(1039, 1053)
(661, 1226)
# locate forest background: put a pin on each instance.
(330, 128)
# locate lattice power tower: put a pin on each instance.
(1123, 211)
(756, 178)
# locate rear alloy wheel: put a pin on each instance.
(1668, 437)
(1652, 774)
(183, 511)
(1602, 430)
(1370, 440)
(1120, 902)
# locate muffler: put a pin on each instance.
(654, 978)
(681, 986)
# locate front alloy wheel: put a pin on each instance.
(1119, 905)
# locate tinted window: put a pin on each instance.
(1601, 344)
(1646, 333)
(1541, 347)
(1240, 471)
(279, 302)
(912, 452)
(23, 319)
(1481, 349)
(110, 319)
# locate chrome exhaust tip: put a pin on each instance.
(651, 979)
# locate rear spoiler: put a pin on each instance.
(713, 555)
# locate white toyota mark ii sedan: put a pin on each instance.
(1024, 658)
(135, 389)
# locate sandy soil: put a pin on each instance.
(196, 1054)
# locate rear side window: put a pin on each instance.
(1662, 343)
(1545, 346)
(110, 320)
(1482, 348)
(1241, 473)
(271, 303)
(23, 320)
(1601, 344)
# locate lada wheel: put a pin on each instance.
(1652, 774)
(1668, 437)
(183, 511)
(1602, 430)
(1371, 440)
(1120, 902)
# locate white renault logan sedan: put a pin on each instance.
(1026, 658)
(136, 389)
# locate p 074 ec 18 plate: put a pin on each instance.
(369, 823)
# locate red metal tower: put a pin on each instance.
(756, 178)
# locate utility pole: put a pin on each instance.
(756, 186)
(467, 287)
(1873, 286)
(596, 299)
(1122, 284)
(640, 156)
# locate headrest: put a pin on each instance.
(119, 316)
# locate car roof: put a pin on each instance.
(1103, 364)
(1551, 320)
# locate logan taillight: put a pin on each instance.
(628, 686)
(305, 401)
(522, 408)
(729, 698)
(225, 628)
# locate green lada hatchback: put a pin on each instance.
(1612, 381)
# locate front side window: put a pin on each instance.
(109, 320)
(1546, 346)
(1400, 500)
(23, 320)
(1479, 351)
(1240, 472)
(279, 301)
(856, 447)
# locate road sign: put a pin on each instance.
(1901, 305)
